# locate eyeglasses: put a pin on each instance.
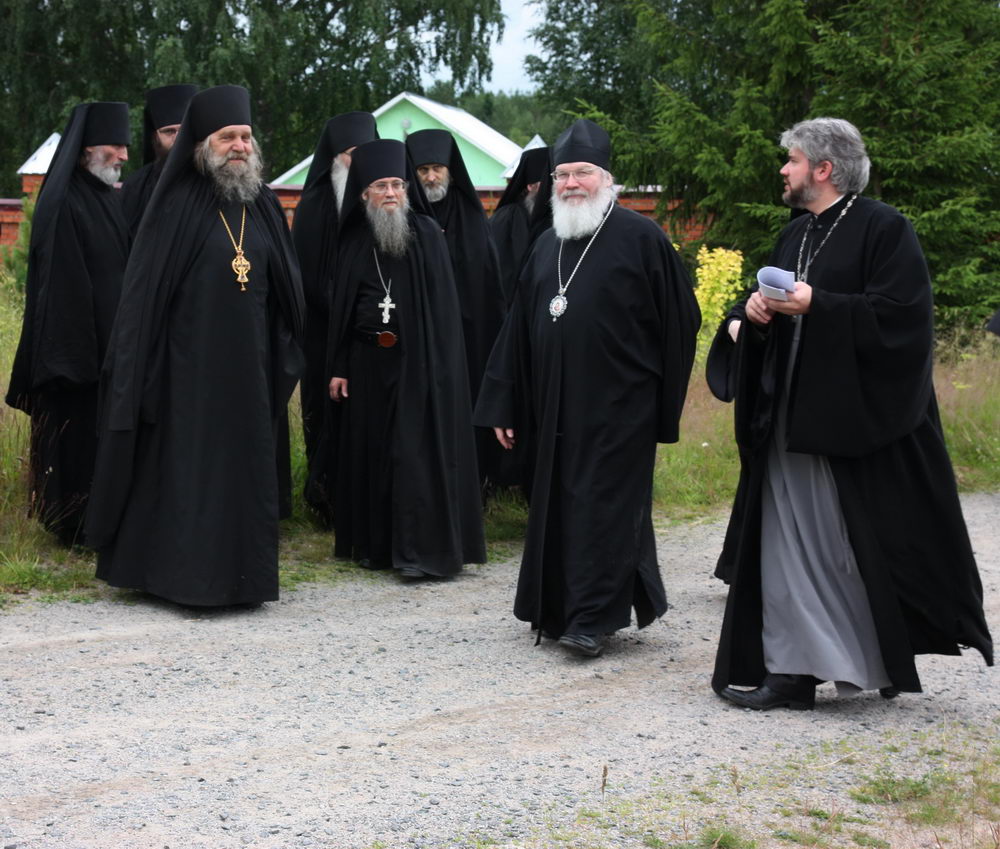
(383, 186)
(579, 174)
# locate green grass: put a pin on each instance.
(867, 840)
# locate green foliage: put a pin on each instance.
(719, 283)
(15, 256)
(302, 61)
(920, 78)
(589, 50)
(518, 115)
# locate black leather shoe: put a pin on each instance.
(765, 697)
(582, 644)
(411, 572)
(888, 692)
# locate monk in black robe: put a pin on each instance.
(161, 119)
(79, 246)
(404, 465)
(594, 358)
(846, 552)
(203, 359)
(314, 233)
(521, 215)
(460, 213)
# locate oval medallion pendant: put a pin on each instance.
(557, 306)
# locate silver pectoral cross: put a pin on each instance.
(386, 304)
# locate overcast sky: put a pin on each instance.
(508, 55)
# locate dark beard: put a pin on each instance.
(231, 184)
(391, 229)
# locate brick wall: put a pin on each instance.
(644, 202)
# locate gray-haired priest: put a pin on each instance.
(592, 366)
(203, 359)
(846, 553)
(79, 246)
(403, 458)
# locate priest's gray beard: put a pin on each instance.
(100, 165)
(231, 184)
(576, 220)
(529, 201)
(438, 191)
(338, 179)
(391, 226)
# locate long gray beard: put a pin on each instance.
(529, 202)
(439, 191)
(391, 228)
(231, 184)
(338, 179)
(578, 221)
(106, 173)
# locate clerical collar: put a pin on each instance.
(821, 220)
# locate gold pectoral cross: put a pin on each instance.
(241, 265)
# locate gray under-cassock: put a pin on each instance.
(817, 619)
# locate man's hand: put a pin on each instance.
(505, 436)
(798, 301)
(338, 388)
(758, 309)
(734, 329)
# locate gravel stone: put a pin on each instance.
(441, 717)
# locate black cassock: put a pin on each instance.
(136, 191)
(406, 491)
(862, 396)
(480, 294)
(510, 229)
(76, 266)
(186, 493)
(314, 233)
(596, 390)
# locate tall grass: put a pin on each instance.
(968, 389)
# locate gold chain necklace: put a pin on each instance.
(240, 264)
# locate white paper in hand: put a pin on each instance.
(775, 282)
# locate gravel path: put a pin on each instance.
(375, 713)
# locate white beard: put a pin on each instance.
(391, 227)
(105, 171)
(579, 219)
(529, 202)
(338, 179)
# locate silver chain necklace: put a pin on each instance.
(386, 303)
(802, 273)
(558, 305)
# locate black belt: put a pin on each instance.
(381, 338)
